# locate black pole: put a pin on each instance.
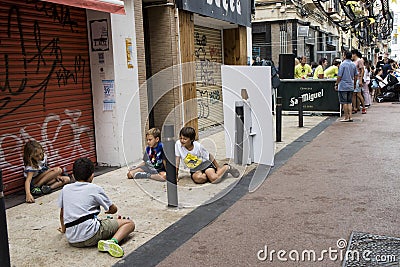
(4, 248)
(278, 119)
(169, 150)
(300, 103)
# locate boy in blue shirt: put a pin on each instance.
(154, 162)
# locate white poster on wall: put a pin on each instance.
(109, 95)
(253, 83)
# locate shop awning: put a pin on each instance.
(110, 6)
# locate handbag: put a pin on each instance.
(276, 81)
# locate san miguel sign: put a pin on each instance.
(235, 11)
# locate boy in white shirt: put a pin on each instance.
(203, 166)
(80, 204)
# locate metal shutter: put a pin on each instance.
(259, 44)
(45, 86)
(208, 57)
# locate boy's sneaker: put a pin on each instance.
(235, 172)
(36, 191)
(111, 247)
(45, 189)
(364, 111)
(141, 175)
(232, 170)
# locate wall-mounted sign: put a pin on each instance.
(99, 35)
(311, 37)
(235, 11)
(302, 31)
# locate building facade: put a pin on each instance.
(87, 78)
(294, 27)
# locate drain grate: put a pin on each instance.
(368, 250)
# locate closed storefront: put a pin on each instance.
(208, 60)
(45, 86)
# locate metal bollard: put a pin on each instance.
(278, 119)
(4, 248)
(239, 129)
(169, 150)
(300, 103)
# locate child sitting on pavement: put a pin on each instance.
(39, 178)
(80, 204)
(203, 166)
(153, 165)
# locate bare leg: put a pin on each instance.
(199, 177)
(131, 173)
(161, 176)
(58, 182)
(347, 111)
(361, 98)
(215, 176)
(47, 176)
(125, 227)
(354, 101)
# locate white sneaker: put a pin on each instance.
(111, 247)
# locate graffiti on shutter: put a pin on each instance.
(45, 91)
(208, 57)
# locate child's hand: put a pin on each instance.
(61, 230)
(29, 198)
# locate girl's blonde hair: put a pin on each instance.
(31, 148)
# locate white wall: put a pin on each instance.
(118, 132)
(257, 82)
(249, 45)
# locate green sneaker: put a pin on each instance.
(111, 247)
(36, 191)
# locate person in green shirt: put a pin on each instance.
(302, 70)
(319, 71)
(332, 71)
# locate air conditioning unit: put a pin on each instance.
(282, 10)
(335, 17)
(278, 5)
(309, 4)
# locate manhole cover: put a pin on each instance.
(372, 250)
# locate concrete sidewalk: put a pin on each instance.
(35, 241)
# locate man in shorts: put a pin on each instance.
(345, 84)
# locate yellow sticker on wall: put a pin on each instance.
(129, 52)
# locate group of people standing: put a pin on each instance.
(358, 82)
(316, 71)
